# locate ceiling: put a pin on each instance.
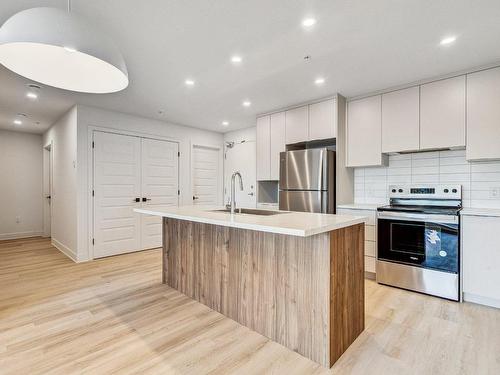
(358, 46)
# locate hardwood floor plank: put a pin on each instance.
(114, 316)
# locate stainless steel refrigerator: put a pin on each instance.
(307, 181)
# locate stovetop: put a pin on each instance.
(422, 209)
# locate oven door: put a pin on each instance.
(429, 241)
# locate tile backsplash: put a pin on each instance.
(480, 180)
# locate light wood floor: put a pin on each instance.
(115, 316)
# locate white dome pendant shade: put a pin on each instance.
(59, 49)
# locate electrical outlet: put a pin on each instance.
(495, 192)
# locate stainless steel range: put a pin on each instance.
(419, 239)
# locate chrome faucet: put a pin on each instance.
(233, 192)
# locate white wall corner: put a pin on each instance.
(65, 250)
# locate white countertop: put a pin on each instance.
(360, 206)
(301, 224)
(492, 212)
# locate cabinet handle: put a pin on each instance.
(146, 199)
(137, 200)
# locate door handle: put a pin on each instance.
(251, 194)
(146, 199)
(137, 200)
(195, 197)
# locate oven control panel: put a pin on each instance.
(425, 192)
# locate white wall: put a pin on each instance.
(248, 134)
(21, 186)
(242, 157)
(62, 135)
(90, 118)
(480, 180)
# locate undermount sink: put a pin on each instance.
(251, 211)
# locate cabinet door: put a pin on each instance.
(277, 143)
(481, 257)
(322, 124)
(400, 120)
(263, 148)
(297, 123)
(364, 132)
(442, 114)
(483, 115)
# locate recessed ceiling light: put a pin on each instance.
(448, 40)
(309, 22)
(247, 103)
(18, 122)
(236, 59)
(189, 82)
(33, 91)
(319, 81)
(225, 123)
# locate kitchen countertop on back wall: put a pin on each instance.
(491, 212)
(360, 206)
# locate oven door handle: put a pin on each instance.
(429, 218)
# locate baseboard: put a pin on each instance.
(64, 249)
(15, 236)
(480, 300)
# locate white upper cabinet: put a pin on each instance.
(277, 136)
(364, 130)
(264, 148)
(322, 124)
(297, 124)
(400, 120)
(442, 114)
(483, 115)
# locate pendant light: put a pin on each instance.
(59, 48)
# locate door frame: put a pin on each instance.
(91, 129)
(220, 177)
(48, 162)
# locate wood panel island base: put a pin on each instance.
(303, 291)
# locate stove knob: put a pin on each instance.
(400, 190)
(446, 191)
(393, 190)
(454, 191)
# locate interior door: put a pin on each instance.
(206, 187)
(241, 157)
(117, 185)
(47, 190)
(160, 186)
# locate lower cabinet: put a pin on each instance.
(370, 235)
(481, 260)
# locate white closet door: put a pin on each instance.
(206, 188)
(117, 183)
(160, 186)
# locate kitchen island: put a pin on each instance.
(297, 278)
